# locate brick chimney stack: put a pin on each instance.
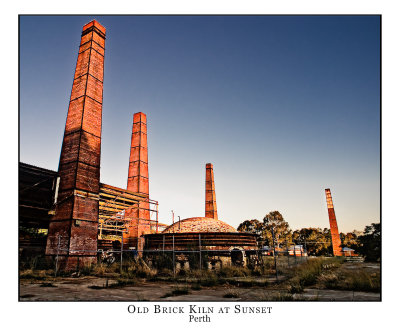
(72, 233)
(211, 202)
(138, 174)
(333, 224)
(138, 181)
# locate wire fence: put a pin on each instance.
(177, 258)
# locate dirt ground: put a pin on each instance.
(90, 288)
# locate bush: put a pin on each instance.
(295, 286)
(234, 271)
(308, 272)
(38, 262)
(208, 280)
(137, 269)
(163, 261)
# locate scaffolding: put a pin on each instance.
(113, 203)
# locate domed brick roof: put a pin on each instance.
(200, 225)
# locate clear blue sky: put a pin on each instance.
(283, 106)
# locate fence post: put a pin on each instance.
(122, 248)
(200, 249)
(163, 244)
(173, 252)
(58, 249)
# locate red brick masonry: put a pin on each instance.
(73, 230)
(138, 182)
(333, 224)
(211, 201)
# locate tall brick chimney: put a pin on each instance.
(333, 224)
(72, 236)
(211, 202)
(138, 182)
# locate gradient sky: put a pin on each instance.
(283, 106)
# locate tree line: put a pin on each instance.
(274, 230)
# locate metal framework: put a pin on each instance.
(113, 203)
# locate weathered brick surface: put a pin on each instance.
(200, 225)
(138, 180)
(83, 239)
(138, 162)
(58, 238)
(92, 119)
(74, 118)
(137, 151)
(87, 178)
(77, 212)
(211, 200)
(86, 209)
(67, 177)
(336, 243)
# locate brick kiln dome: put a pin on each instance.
(200, 225)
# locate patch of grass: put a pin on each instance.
(309, 272)
(295, 286)
(245, 282)
(26, 296)
(38, 262)
(180, 291)
(196, 286)
(277, 296)
(100, 269)
(233, 271)
(122, 282)
(36, 275)
(177, 291)
(164, 272)
(138, 269)
(140, 297)
(86, 269)
(95, 287)
(209, 280)
(356, 280)
(231, 294)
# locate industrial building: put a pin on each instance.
(78, 215)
